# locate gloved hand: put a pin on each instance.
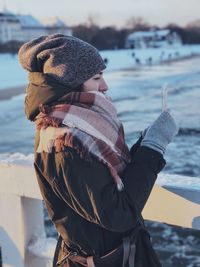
(160, 133)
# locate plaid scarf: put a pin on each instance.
(86, 121)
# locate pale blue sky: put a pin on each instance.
(109, 12)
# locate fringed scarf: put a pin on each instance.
(86, 121)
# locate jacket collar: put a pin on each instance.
(42, 89)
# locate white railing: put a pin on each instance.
(23, 243)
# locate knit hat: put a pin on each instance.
(69, 60)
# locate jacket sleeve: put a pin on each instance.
(89, 189)
(140, 175)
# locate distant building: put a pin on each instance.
(23, 28)
(153, 39)
(56, 25)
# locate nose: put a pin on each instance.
(103, 86)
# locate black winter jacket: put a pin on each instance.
(83, 202)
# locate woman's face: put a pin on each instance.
(96, 83)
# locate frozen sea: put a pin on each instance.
(136, 93)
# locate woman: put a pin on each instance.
(94, 188)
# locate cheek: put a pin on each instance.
(90, 86)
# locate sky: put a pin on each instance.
(109, 12)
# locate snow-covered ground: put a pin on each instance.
(129, 58)
(13, 75)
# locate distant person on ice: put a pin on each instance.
(93, 186)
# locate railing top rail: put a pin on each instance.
(20, 179)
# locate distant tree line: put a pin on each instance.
(113, 38)
(108, 37)
(189, 34)
(101, 38)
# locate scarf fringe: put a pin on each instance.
(120, 186)
(93, 129)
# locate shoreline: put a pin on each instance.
(162, 63)
(9, 92)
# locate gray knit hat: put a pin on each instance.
(69, 60)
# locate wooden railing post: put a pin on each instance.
(21, 218)
(11, 235)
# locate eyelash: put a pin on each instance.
(96, 78)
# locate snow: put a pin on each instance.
(179, 181)
(7, 12)
(162, 32)
(129, 58)
(29, 21)
(17, 158)
(13, 75)
(148, 33)
(42, 246)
